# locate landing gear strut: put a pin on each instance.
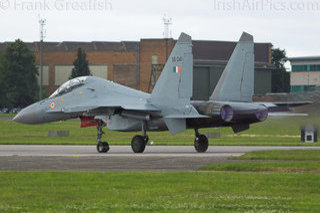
(138, 143)
(200, 142)
(102, 147)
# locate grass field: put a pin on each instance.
(7, 115)
(146, 191)
(292, 155)
(274, 131)
(289, 185)
(265, 167)
(272, 161)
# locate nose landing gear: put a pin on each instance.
(102, 147)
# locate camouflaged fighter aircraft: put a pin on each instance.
(99, 102)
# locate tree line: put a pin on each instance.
(280, 78)
(18, 74)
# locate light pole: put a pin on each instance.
(42, 22)
(167, 34)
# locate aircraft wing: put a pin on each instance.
(283, 106)
(293, 103)
(284, 114)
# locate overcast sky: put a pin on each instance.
(288, 24)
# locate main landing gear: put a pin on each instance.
(200, 142)
(139, 142)
(102, 147)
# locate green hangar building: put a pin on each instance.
(211, 57)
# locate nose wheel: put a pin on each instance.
(102, 147)
(201, 142)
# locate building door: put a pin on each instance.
(201, 83)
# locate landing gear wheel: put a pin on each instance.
(201, 143)
(138, 143)
(103, 147)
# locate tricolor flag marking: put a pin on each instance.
(177, 69)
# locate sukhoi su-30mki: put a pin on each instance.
(99, 102)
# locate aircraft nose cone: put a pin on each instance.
(27, 115)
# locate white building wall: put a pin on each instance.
(305, 78)
(62, 74)
(45, 76)
(99, 71)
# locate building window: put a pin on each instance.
(305, 68)
(62, 74)
(99, 71)
(303, 88)
(299, 68)
(315, 67)
(154, 59)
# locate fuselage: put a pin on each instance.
(93, 96)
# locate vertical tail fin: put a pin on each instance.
(174, 86)
(237, 80)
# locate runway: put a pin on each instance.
(119, 158)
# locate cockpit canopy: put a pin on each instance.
(69, 86)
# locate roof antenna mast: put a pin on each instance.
(167, 34)
(167, 22)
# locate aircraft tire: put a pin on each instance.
(201, 143)
(103, 147)
(138, 144)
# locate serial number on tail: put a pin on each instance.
(177, 59)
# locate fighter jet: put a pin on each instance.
(99, 102)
